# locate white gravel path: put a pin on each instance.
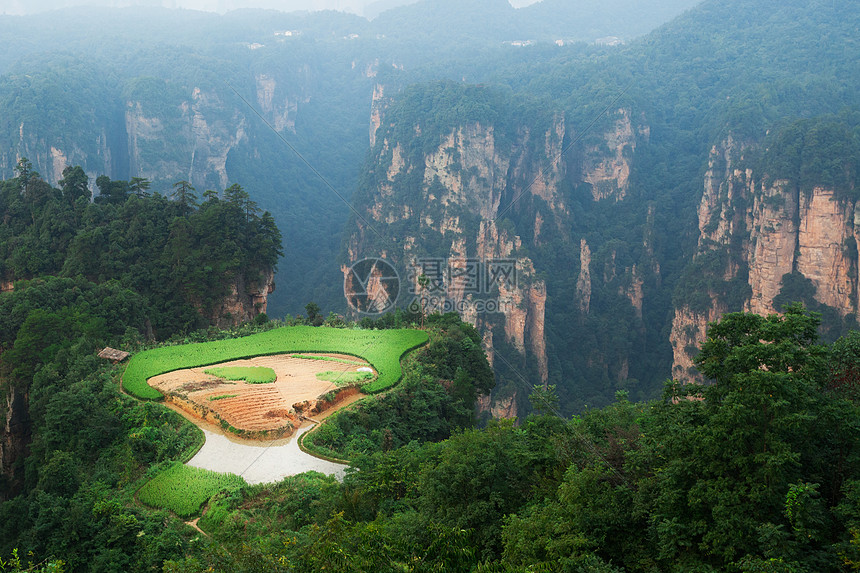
(260, 463)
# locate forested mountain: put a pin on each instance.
(590, 169)
(149, 93)
(638, 193)
(599, 155)
(195, 263)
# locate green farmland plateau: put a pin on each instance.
(383, 349)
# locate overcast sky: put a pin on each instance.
(357, 6)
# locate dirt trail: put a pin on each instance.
(193, 523)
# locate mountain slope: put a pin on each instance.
(624, 239)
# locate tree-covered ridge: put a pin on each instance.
(93, 447)
(180, 254)
(757, 471)
(437, 395)
(815, 152)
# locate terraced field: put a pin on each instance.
(273, 409)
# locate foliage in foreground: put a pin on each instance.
(757, 472)
(249, 374)
(440, 387)
(16, 565)
(382, 348)
(184, 489)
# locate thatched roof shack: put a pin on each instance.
(113, 355)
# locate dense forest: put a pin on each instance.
(757, 472)
(753, 473)
(181, 255)
(679, 359)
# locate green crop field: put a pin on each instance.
(381, 348)
(184, 489)
(329, 359)
(341, 378)
(250, 374)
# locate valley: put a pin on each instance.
(615, 247)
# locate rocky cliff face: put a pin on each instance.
(823, 255)
(719, 223)
(15, 434)
(773, 242)
(609, 173)
(244, 301)
(280, 109)
(50, 153)
(583, 284)
(377, 105)
(485, 193)
(761, 228)
(462, 184)
(193, 146)
(807, 232)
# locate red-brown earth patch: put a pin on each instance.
(261, 410)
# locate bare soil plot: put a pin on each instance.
(261, 410)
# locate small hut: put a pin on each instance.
(113, 355)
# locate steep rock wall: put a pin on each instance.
(722, 221)
(377, 107)
(244, 301)
(609, 174)
(51, 153)
(807, 232)
(583, 283)
(689, 329)
(461, 185)
(763, 228)
(15, 434)
(485, 191)
(193, 146)
(280, 109)
(773, 238)
(826, 227)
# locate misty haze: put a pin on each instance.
(429, 285)
(369, 8)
